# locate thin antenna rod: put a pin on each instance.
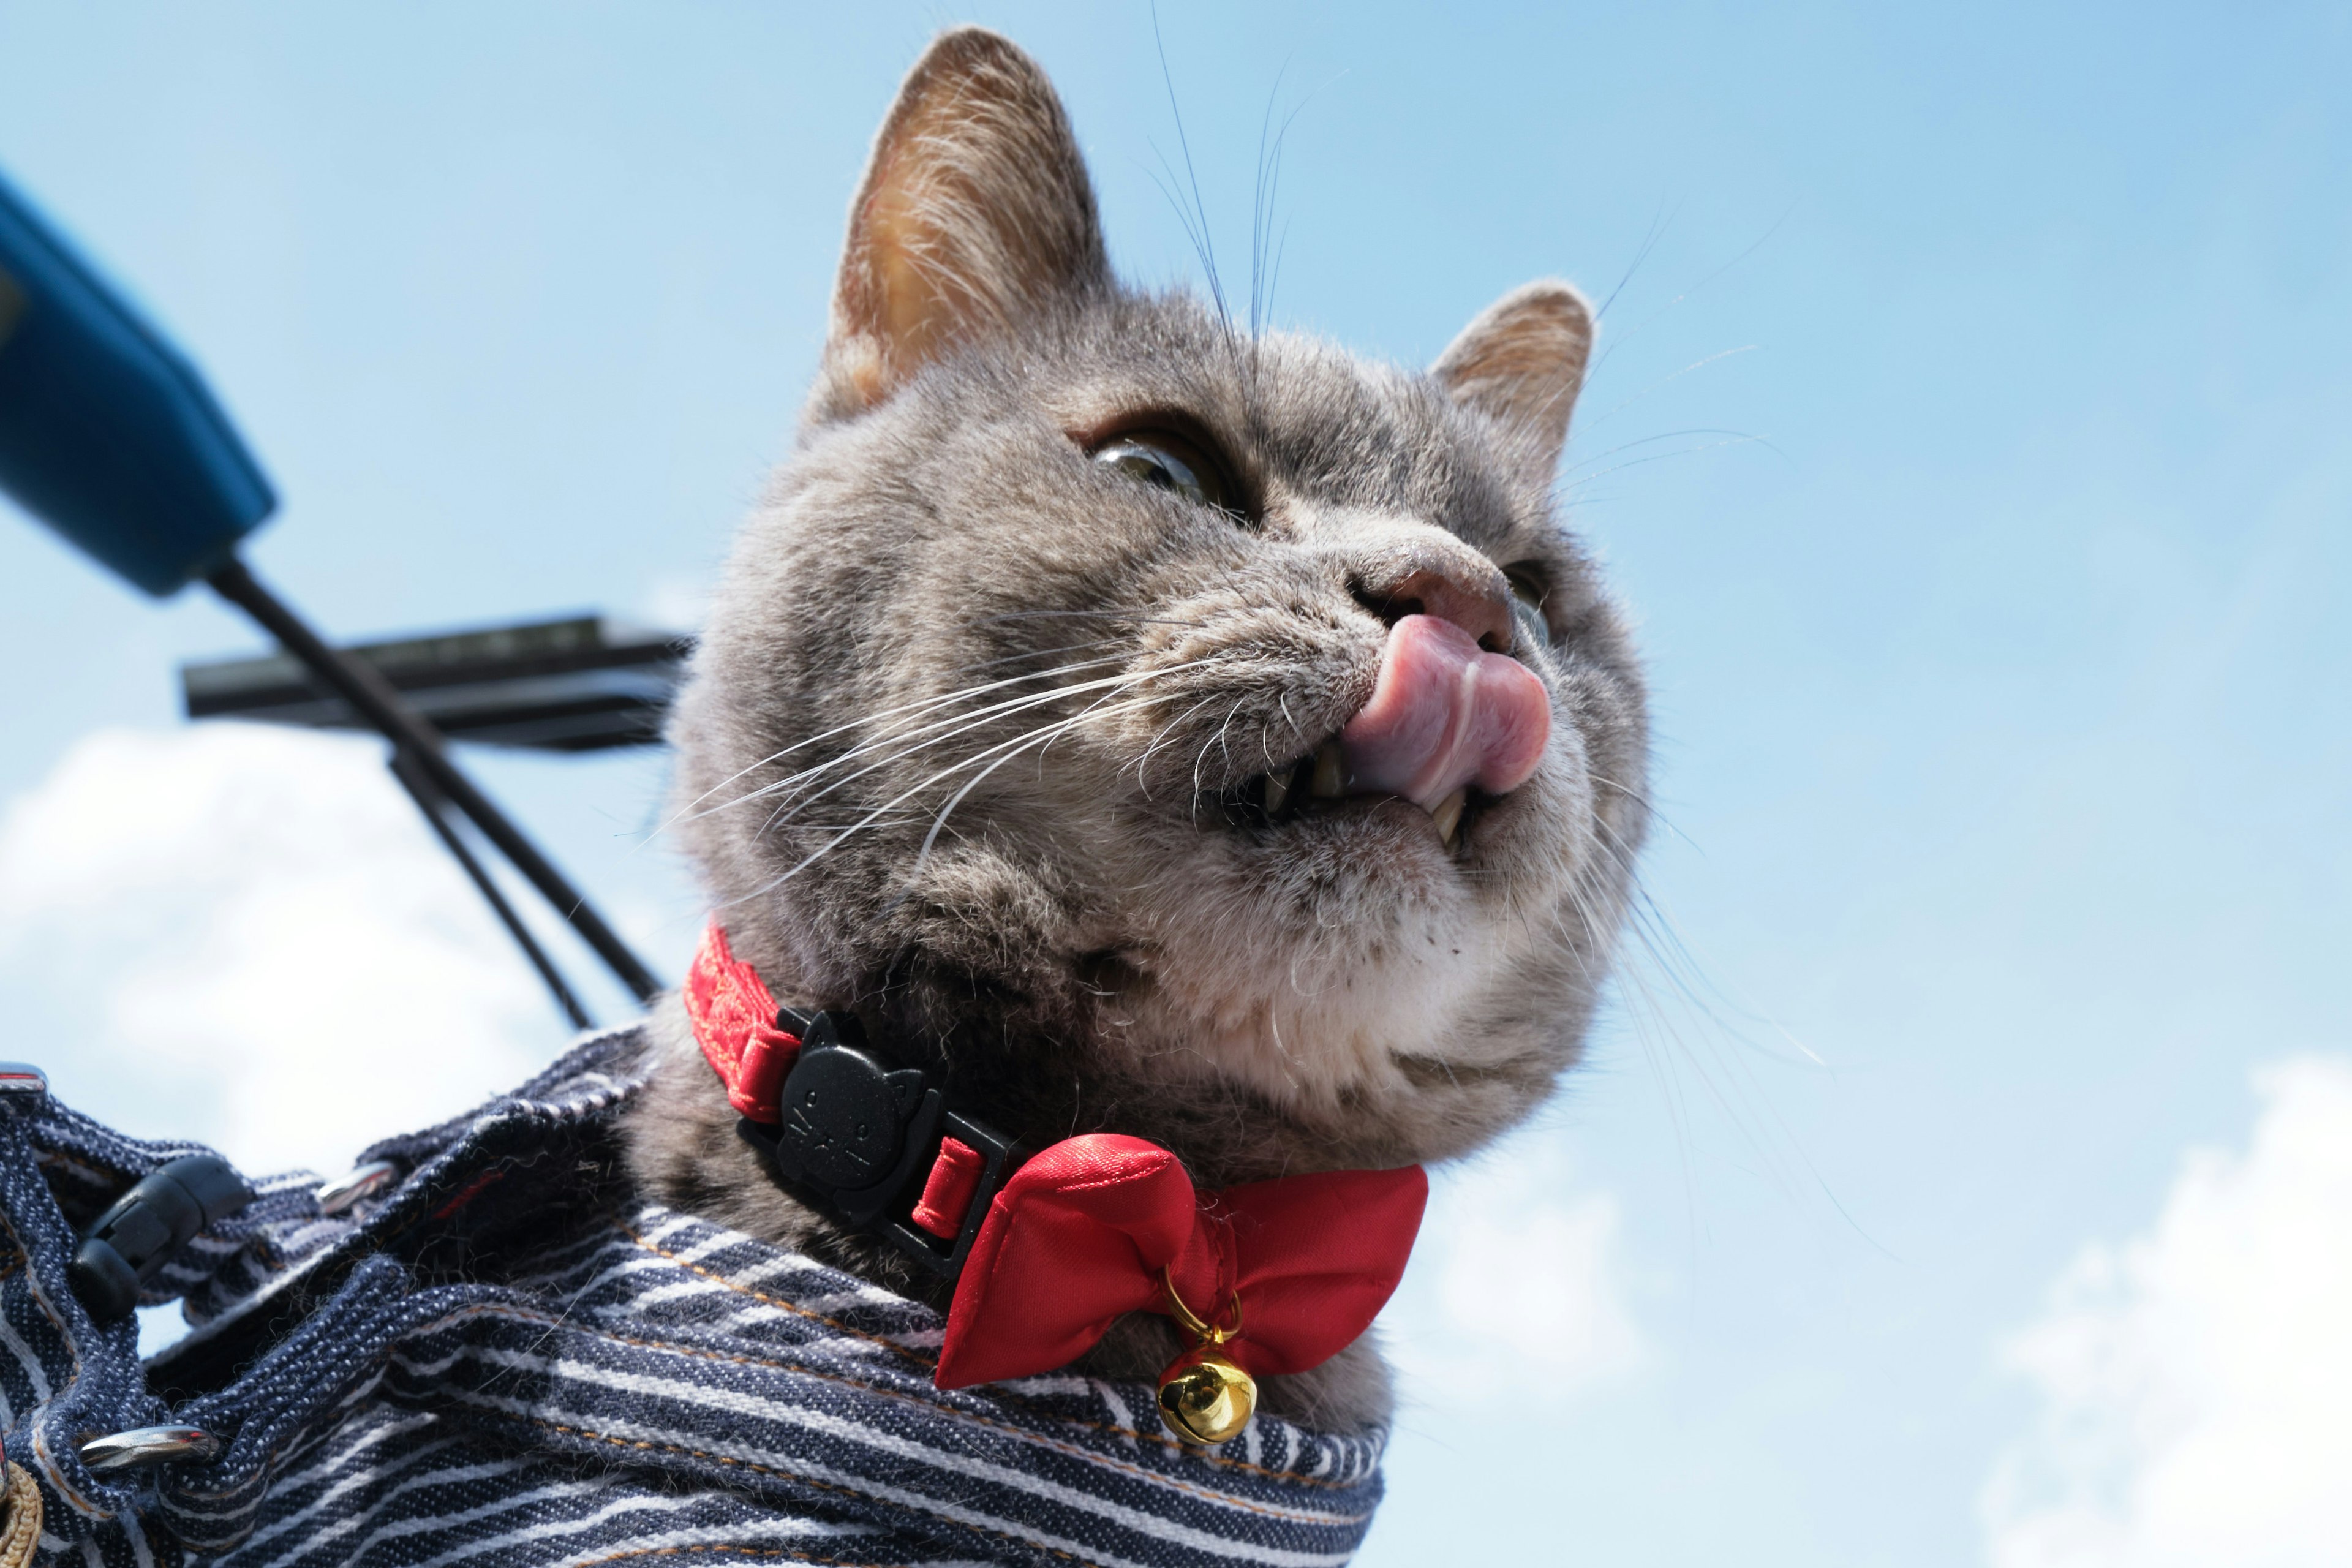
(373, 698)
(434, 805)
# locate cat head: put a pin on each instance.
(1209, 736)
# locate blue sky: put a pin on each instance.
(1969, 441)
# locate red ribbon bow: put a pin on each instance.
(1087, 1230)
(1082, 1233)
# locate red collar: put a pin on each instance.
(739, 1026)
(1068, 1239)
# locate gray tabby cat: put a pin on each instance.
(1210, 738)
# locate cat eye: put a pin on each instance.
(1528, 592)
(1167, 461)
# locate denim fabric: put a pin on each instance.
(511, 1357)
(63, 1374)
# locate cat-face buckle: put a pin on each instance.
(855, 1135)
(1204, 1398)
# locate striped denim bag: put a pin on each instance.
(509, 1357)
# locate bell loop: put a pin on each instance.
(1191, 1322)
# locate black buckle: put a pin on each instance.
(857, 1139)
(161, 1214)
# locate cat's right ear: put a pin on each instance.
(975, 212)
(1522, 363)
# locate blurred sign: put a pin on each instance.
(578, 685)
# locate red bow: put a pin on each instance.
(1082, 1233)
(1085, 1231)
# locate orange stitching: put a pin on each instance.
(1104, 1460)
(494, 1308)
(645, 1446)
(97, 1175)
(497, 1308)
(1004, 1394)
(267, 1469)
(795, 1307)
(40, 1299)
(731, 1550)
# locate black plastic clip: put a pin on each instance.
(857, 1138)
(132, 1241)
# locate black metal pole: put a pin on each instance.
(375, 699)
(432, 804)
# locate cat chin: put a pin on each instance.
(1322, 975)
(1418, 1061)
(1306, 1034)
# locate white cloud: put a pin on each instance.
(1518, 1274)
(2198, 1381)
(249, 936)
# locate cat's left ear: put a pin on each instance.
(1521, 362)
(974, 214)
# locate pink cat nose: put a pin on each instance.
(1444, 715)
(1477, 602)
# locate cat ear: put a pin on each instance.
(906, 1087)
(975, 211)
(1521, 362)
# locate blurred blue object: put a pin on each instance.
(106, 434)
(109, 437)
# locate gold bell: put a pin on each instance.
(1204, 1398)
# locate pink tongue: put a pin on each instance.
(1443, 714)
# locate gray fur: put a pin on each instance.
(1088, 943)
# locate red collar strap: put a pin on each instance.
(739, 1026)
(1047, 1250)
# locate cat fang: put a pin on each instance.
(1313, 786)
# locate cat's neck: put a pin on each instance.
(683, 1152)
(1052, 1060)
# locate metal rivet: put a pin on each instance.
(364, 1182)
(144, 1445)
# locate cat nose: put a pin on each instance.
(1456, 586)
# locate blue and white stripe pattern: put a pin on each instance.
(624, 1380)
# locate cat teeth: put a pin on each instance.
(1331, 779)
(1277, 793)
(1447, 815)
(1321, 775)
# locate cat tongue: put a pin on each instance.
(1445, 713)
